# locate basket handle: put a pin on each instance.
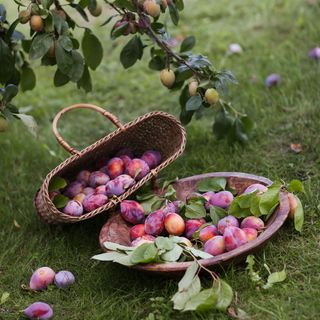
(56, 119)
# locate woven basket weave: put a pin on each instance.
(156, 131)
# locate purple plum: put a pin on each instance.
(94, 201)
(64, 279)
(115, 167)
(208, 195)
(41, 278)
(154, 223)
(132, 211)
(125, 152)
(83, 177)
(215, 246)
(88, 190)
(234, 237)
(73, 189)
(119, 185)
(137, 169)
(227, 222)
(272, 80)
(101, 190)
(152, 158)
(38, 310)
(98, 178)
(221, 199)
(73, 208)
(314, 53)
(192, 226)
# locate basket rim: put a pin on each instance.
(59, 216)
(276, 221)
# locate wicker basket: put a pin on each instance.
(156, 130)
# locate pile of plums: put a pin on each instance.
(91, 190)
(40, 280)
(227, 235)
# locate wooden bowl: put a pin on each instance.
(117, 230)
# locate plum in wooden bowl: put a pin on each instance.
(217, 240)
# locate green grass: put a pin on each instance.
(276, 36)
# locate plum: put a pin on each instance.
(174, 224)
(250, 233)
(227, 222)
(256, 187)
(137, 169)
(73, 189)
(215, 246)
(152, 158)
(119, 185)
(115, 167)
(154, 223)
(234, 237)
(94, 201)
(314, 53)
(221, 199)
(83, 177)
(104, 169)
(64, 279)
(38, 310)
(88, 190)
(98, 178)
(125, 152)
(132, 211)
(73, 208)
(141, 240)
(208, 195)
(292, 204)
(272, 80)
(79, 197)
(125, 159)
(208, 232)
(252, 222)
(172, 207)
(101, 190)
(192, 226)
(137, 231)
(41, 278)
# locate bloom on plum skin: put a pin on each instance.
(38, 310)
(272, 80)
(132, 211)
(63, 279)
(41, 278)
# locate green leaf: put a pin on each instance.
(29, 122)
(40, 45)
(203, 301)
(174, 14)
(298, 215)
(173, 254)
(194, 103)
(28, 79)
(92, 50)
(85, 82)
(75, 74)
(182, 297)
(7, 62)
(254, 276)
(212, 184)
(296, 186)
(80, 10)
(199, 253)
(188, 277)
(188, 43)
(117, 32)
(11, 31)
(179, 4)
(64, 59)
(216, 214)
(116, 246)
(152, 204)
(145, 253)
(60, 201)
(66, 43)
(171, 193)
(60, 79)
(182, 74)
(195, 210)
(4, 297)
(9, 93)
(224, 293)
(117, 257)
(164, 243)
(157, 63)
(275, 277)
(241, 205)
(270, 198)
(131, 52)
(57, 183)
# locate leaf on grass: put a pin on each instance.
(4, 297)
(298, 215)
(212, 184)
(16, 224)
(296, 186)
(203, 301)
(275, 277)
(224, 293)
(254, 276)
(188, 277)
(182, 297)
(57, 183)
(29, 122)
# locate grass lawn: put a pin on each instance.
(276, 36)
